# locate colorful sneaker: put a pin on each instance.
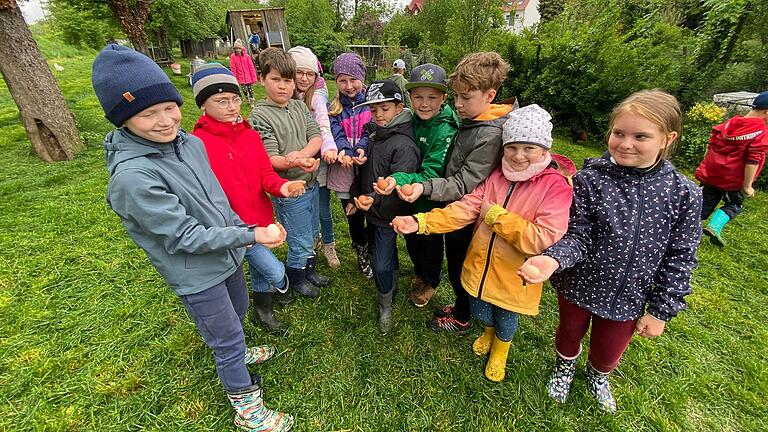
(444, 311)
(449, 324)
(259, 354)
(597, 383)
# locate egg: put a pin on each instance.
(406, 189)
(382, 183)
(347, 159)
(273, 231)
(365, 199)
(531, 271)
(295, 186)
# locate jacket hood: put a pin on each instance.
(605, 164)
(219, 128)
(495, 116)
(121, 145)
(446, 115)
(742, 128)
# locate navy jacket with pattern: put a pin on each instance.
(631, 241)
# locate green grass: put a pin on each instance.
(92, 340)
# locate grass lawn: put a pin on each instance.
(92, 340)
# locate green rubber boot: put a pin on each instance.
(715, 227)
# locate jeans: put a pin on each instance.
(298, 215)
(324, 211)
(218, 314)
(456, 246)
(502, 320)
(384, 260)
(426, 252)
(267, 272)
(733, 201)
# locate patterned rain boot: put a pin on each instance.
(497, 361)
(259, 354)
(482, 345)
(329, 250)
(363, 262)
(560, 379)
(251, 415)
(385, 312)
(597, 383)
(714, 228)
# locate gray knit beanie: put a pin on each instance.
(531, 125)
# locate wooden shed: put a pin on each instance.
(242, 22)
(206, 48)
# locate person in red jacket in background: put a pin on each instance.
(240, 163)
(735, 155)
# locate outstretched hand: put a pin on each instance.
(546, 266)
(391, 183)
(418, 190)
(404, 225)
(263, 238)
(292, 189)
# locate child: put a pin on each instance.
(240, 163)
(242, 67)
(292, 139)
(735, 155)
(475, 152)
(518, 211)
(434, 126)
(173, 208)
(316, 99)
(390, 150)
(625, 263)
(347, 125)
(398, 77)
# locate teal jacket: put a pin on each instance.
(174, 209)
(433, 137)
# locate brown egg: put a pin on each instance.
(531, 271)
(365, 199)
(397, 224)
(347, 159)
(273, 231)
(406, 189)
(382, 183)
(295, 186)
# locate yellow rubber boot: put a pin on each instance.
(482, 344)
(497, 361)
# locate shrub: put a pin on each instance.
(699, 120)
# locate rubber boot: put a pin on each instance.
(313, 276)
(283, 298)
(497, 361)
(363, 262)
(482, 345)
(329, 250)
(299, 282)
(259, 354)
(385, 312)
(597, 383)
(263, 313)
(715, 227)
(560, 379)
(251, 415)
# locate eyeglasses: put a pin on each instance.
(224, 103)
(310, 75)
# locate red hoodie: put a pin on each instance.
(732, 145)
(241, 165)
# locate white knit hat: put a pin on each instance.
(304, 58)
(530, 124)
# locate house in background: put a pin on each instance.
(520, 14)
(415, 7)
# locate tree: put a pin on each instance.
(83, 23)
(49, 124)
(549, 9)
(133, 15)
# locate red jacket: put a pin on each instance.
(732, 145)
(241, 165)
(242, 68)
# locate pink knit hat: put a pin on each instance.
(349, 64)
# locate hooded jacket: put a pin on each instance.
(476, 151)
(349, 133)
(732, 145)
(174, 209)
(242, 67)
(534, 216)
(433, 137)
(631, 241)
(390, 149)
(241, 165)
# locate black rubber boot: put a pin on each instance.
(313, 276)
(385, 312)
(299, 282)
(286, 297)
(263, 314)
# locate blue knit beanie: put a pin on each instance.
(128, 82)
(212, 78)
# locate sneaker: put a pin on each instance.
(449, 324)
(444, 311)
(421, 298)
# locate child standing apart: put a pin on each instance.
(735, 155)
(434, 126)
(348, 122)
(398, 77)
(518, 211)
(391, 149)
(475, 152)
(242, 67)
(240, 163)
(316, 99)
(173, 208)
(625, 263)
(292, 139)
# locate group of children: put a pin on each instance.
(617, 237)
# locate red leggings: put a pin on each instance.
(608, 341)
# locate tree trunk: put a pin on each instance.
(132, 17)
(49, 124)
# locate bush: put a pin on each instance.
(699, 120)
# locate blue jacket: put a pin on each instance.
(348, 127)
(174, 209)
(631, 241)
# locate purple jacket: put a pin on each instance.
(349, 134)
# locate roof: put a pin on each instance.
(415, 6)
(516, 5)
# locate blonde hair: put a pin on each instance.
(479, 71)
(656, 106)
(335, 107)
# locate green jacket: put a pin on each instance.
(174, 209)
(433, 137)
(401, 82)
(283, 130)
